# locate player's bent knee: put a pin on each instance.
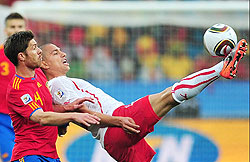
(162, 102)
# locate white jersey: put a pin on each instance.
(65, 90)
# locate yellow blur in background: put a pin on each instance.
(230, 135)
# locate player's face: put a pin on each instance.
(33, 55)
(14, 25)
(56, 59)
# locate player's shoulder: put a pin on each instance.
(58, 80)
(79, 80)
(19, 83)
(61, 82)
(16, 87)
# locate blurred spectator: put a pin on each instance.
(175, 63)
(119, 37)
(57, 32)
(127, 68)
(148, 56)
(176, 66)
(101, 66)
(76, 49)
(195, 42)
(121, 55)
(96, 34)
(77, 52)
(42, 31)
(76, 36)
(118, 44)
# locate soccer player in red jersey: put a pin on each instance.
(30, 104)
(14, 22)
(146, 112)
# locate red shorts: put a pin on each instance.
(125, 147)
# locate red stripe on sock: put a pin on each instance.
(204, 73)
(193, 86)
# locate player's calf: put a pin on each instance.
(193, 84)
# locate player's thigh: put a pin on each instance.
(143, 115)
(127, 147)
(7, 137)
(116, 136)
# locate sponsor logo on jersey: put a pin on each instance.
(59, 93)
(39, 84)
(26, 99)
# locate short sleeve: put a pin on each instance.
(62, 90)
(23, 102)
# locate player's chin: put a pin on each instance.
(67, 68)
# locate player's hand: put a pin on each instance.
(86, 119)
(129, 126)
(78, 103)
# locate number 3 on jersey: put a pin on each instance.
(4, 68)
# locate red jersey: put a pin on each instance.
(7, 71)
(24, 97)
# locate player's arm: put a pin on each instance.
(74, 106)
(71, 107)
(56, 119)
(126, 123)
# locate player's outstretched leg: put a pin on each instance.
(193, 84)
(232, 60)
(187, 88)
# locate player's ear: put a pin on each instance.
(44, 65)
(21, 56)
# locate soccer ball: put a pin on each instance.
(219, 40)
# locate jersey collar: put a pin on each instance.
(32, 78)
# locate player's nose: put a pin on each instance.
(39, 51)
(63, 54)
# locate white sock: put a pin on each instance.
(193, 84)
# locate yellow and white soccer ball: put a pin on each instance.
(219, 40)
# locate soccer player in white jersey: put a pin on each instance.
(146, 112)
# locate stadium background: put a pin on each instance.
(135, 48)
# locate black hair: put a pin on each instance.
(14, 15)
(17, 43)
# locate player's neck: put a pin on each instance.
(25, 72)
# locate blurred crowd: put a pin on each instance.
(148, 53)
(132, 53)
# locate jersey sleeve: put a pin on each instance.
(23, 102)
(62, 91)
